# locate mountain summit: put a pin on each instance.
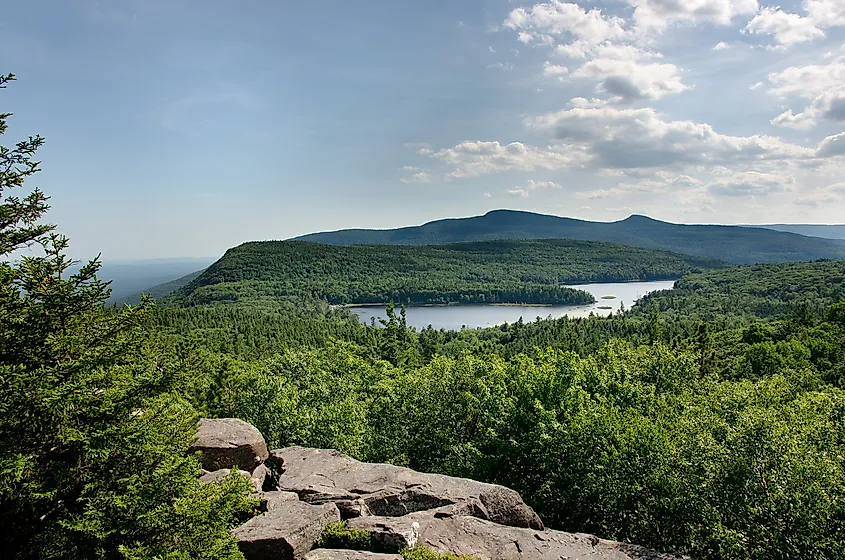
(737, 244)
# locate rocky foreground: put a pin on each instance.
(303, 490)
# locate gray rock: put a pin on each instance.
(284, 533)
(322, 476)
(219, 475)
(259, 477)
(490, 541)
(229, 442)
(391, 534)
(275, 500)
(329, 554)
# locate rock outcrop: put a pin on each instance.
(361, 489)
(229, 442)
(303, 490)
(327, 554)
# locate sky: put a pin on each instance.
(184, 127)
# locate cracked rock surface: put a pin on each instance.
(303, 490)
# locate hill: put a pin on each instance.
(771, 290)
(740, 245)
(832, 231)
(478, 272)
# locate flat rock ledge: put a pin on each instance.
(303, 490)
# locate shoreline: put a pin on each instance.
(456, 304)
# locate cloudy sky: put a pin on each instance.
(183, 127)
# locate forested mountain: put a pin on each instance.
(833, 231)
(480, 272)
(741, 245)
(772, 290)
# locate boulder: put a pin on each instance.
(391, 534)
(284, 533)
(329, 554)
(275, 500)
(359, 489)
(229, 442)
(259, 477)
(489, 541)
(219, 475)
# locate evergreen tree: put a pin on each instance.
(93, 432)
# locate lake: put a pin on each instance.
(609, 298)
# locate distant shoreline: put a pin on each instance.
(456, 304)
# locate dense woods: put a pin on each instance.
(485, 272)
(702, 436)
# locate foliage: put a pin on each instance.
(485, 272)
(802, 291)
(338, 536)
(422, 553)
(93, 431)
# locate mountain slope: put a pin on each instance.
(741, 245)
(480, 272)
(832, 231)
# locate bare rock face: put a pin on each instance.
(229, 442)
(328, 554)
(284, 533)
(489, 541)
(220, 474)
(359, 489)
(277, 500)
(303, 490)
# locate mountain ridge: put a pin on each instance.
(737, 244)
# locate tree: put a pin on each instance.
(93, 432)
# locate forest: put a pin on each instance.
(684, 428)
(459, 273)
(706, 420)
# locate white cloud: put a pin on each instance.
(504, 66)
(827, 12)
(832, 146)
(657, 15)
(823, 85)
(616, 138)
(721, 46)
(752, 183)
(419, 178)
(473, 159)
(660, 183)
(614, 57)
(630, 80)
(543, 21)
(826, 196)
(532, 185)
(550, 69)
(788, 29)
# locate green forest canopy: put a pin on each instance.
(482, 272)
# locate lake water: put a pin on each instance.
(609, 298)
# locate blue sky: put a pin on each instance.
(182, 128)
